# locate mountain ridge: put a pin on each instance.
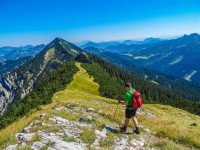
(19, 82)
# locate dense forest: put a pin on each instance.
(112, 79)
(41, 95)
(190, 90)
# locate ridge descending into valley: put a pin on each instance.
(77, 115)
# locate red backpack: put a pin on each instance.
(137, 100)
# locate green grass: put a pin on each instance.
(175, 128)
(27, 147)
(167, 145)
(49, 144)
(88, 136)
(108, 142)
(34, 139)
(53, 129)
(69, 139)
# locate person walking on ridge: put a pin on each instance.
(130, 112)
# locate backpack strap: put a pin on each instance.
(131, 92)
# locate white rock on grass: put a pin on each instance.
(60, 134)
(23, 137)
(49, 137)
(148, 131)
(99, 135)
(90, 109)
(28, 128)
(11, 147)
(42, 115)
(60, 108)
(137, 143)
(50, 148)
(59, 120)
(68, 123)
(69, 146)
(37, 145)
(120, 144)
(89, 117)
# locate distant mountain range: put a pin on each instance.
(10, 65)
(114, 43)
(178, 57)
(14, 53)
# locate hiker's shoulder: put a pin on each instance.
(127, 94)
(132, 90)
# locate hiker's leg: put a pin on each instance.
(135, 121)
(126, 122)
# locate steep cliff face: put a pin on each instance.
(18, 83)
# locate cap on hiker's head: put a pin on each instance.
(127, 84)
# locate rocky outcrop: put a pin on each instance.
(58, 133)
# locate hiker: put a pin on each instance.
(130, 112)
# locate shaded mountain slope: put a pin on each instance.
(179, 57)
(190, 91)
(10, 65)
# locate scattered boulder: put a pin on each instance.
(88, 118)
(137, 143)
(37, 145)
(148, 131)
(101, 133)
(70, 106)
(121, 143)
(23, 137)
(72, 145)
(90, 109)
(42, 115)
(11, 147)
(26, 130)
(60, 134)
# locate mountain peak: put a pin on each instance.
(57, 39)
(193, 35)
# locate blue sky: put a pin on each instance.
(39, 21)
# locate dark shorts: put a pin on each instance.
(130, 113)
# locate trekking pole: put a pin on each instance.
(110, 128)
(115, 111)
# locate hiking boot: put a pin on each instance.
(123, 129)
(137, 131)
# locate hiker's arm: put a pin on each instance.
(122, 102)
